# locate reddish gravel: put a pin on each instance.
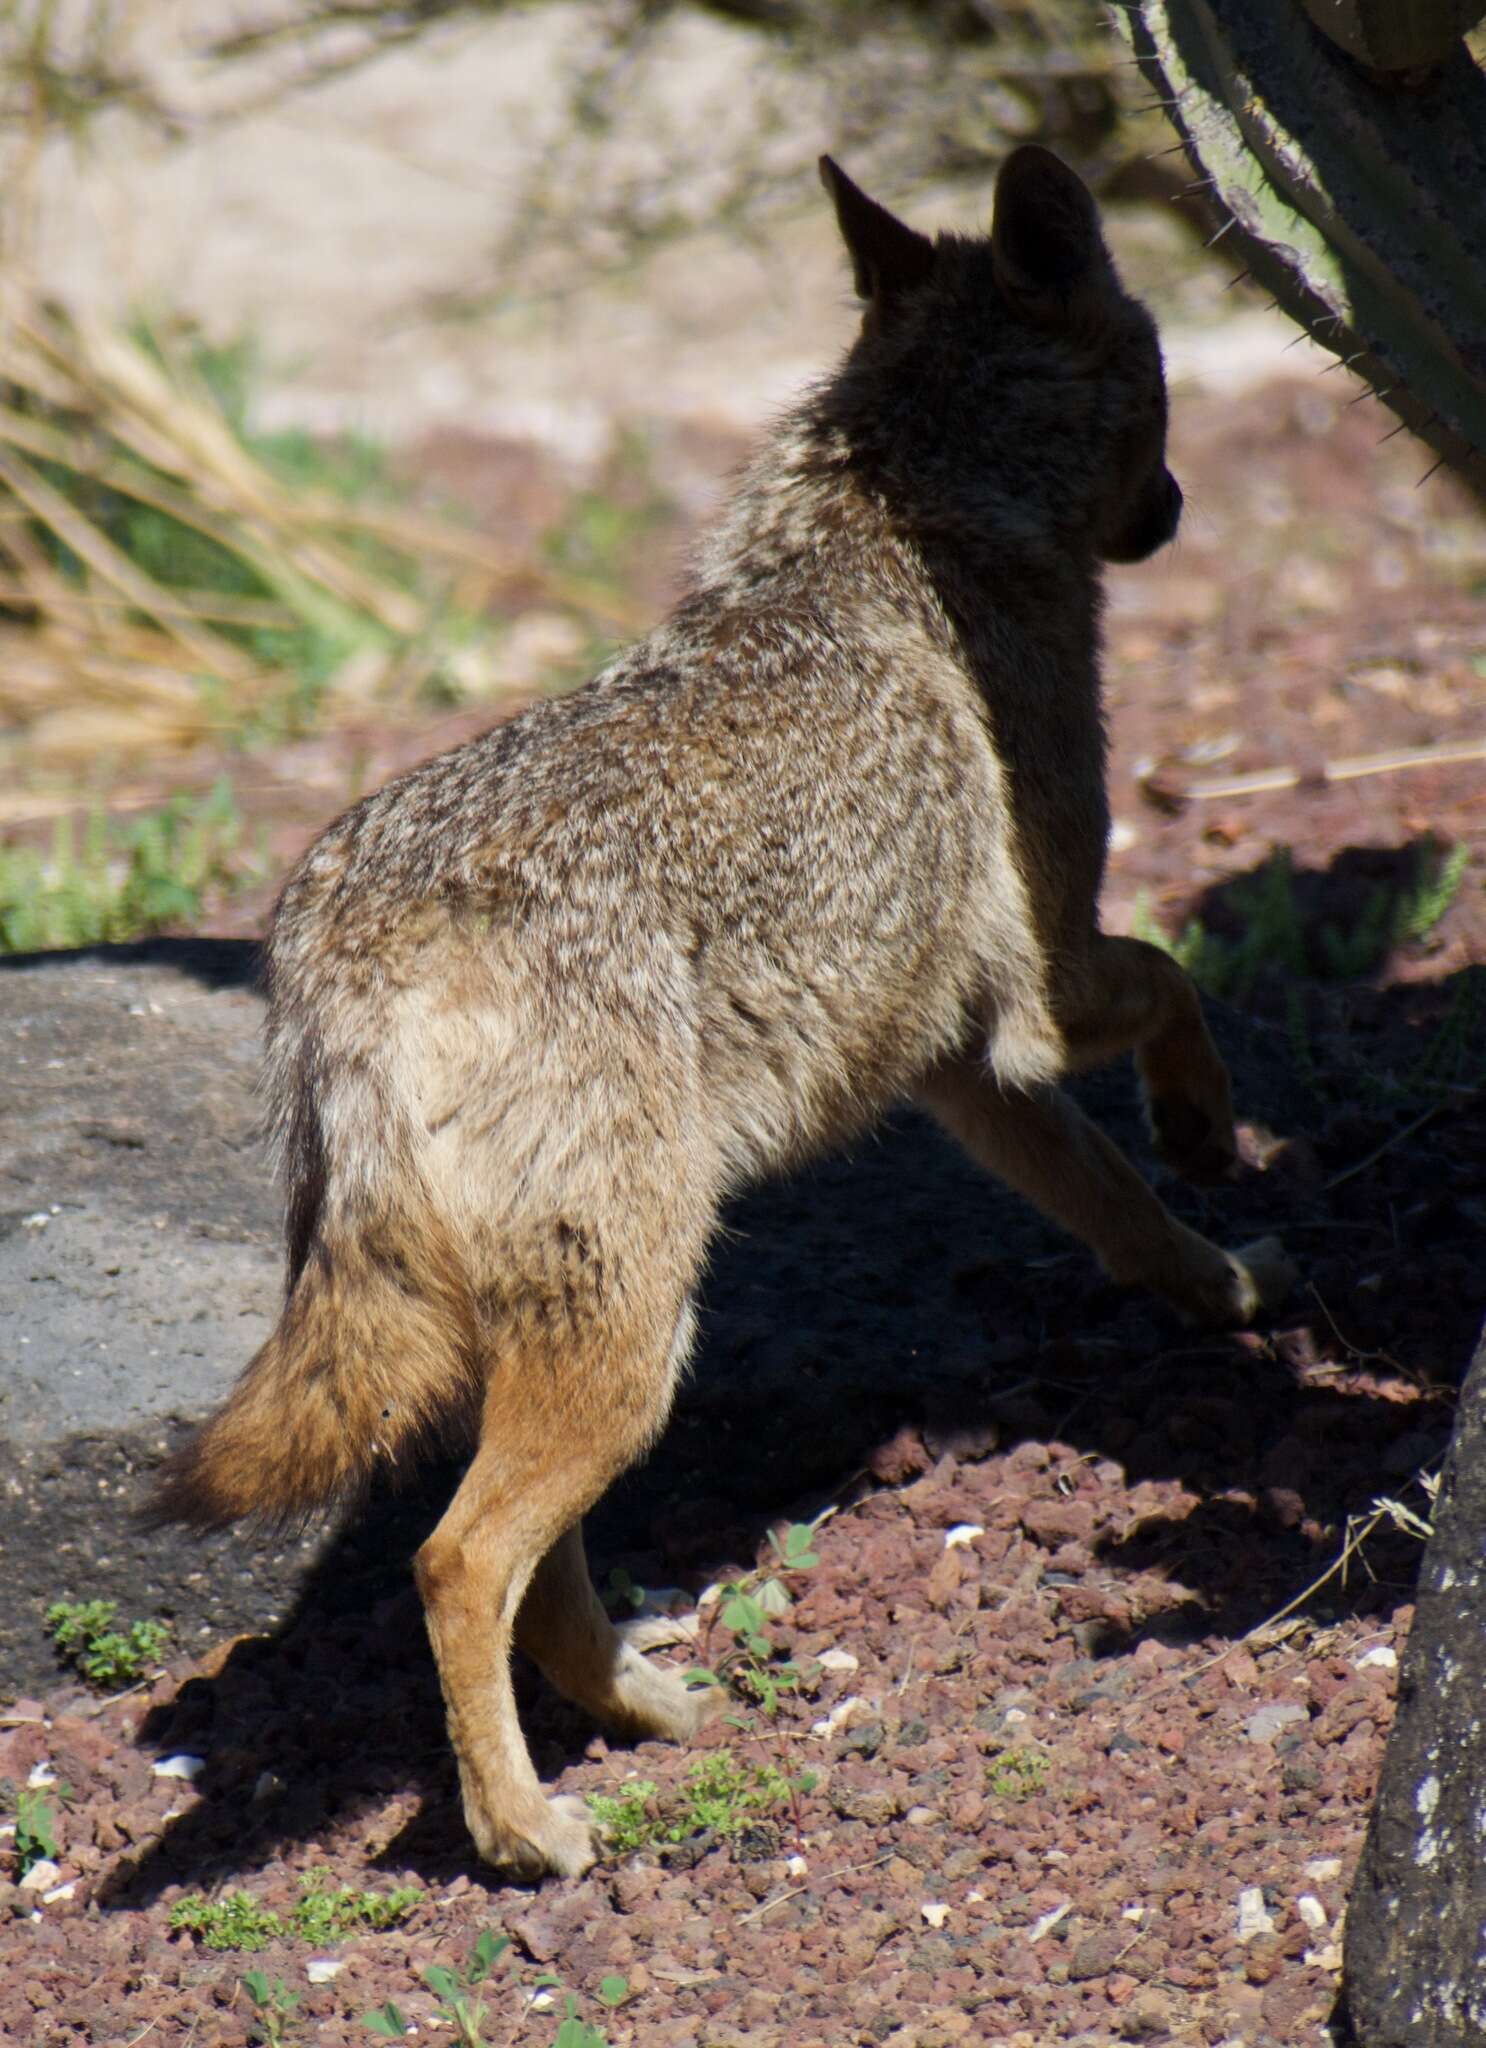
(1097, 1769)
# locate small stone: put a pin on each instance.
(1266, 1724)
(920, 1816)
(1311, 1911)
(962, 1535)
(901, 1458)
(1049, 1921)
(838, 1717)
(1253, 1914)
(1096, 1954)
(1381, 1657)
(1262, 1958)
(41, 1876)
(1328, 1958)
(935, 1912)
(182, 1766)
(837, 1660)
(323, 1969)
(1323, 1868)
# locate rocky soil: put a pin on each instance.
(1094, 1668)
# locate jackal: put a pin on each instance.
(831, 836)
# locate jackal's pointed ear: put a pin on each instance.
(1045, 237)
(888, 259)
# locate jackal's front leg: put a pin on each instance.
(1127, 996)
(1041, 1144)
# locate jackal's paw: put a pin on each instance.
(650, 1703)
(1262, 1277)
(1198, 1145)
(554, 1838)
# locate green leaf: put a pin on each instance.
(441, 1982)
(614, 1990)
(389, 2022)
(486, 1953)
(742, 1614)
(256, 1986)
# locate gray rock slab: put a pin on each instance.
(139, 1268)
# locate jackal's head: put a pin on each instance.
(1013, 368)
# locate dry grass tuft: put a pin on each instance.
(164, 582)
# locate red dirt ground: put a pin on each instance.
(1095, 1768)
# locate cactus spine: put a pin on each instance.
(1358, 198)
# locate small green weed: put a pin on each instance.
(275, 2004)
(124, 880)
(463, 2007)
(576, 2032)
(720, 1796)
(107, 1657)
(751, 1666)
(235, 1921)
(621, 1594)
(1274, 938)
(321, 1916)
(1018, 1773)
(623, 1816)
(35, 1838)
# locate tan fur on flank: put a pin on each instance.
(831, 836)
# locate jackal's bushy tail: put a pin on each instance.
(375, 1355)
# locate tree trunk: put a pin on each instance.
(1415, 1956)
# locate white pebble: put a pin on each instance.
(1266, 1724)
(1311, 1911)
(37, 1220)
(1122, 835)
(1382, 1656)
(839, 1715)
(935, 1912)
(1050, 1920)
(1323, 1868)
(41, 1876)
(837, 1660)
(42, 1774)
(61, 1891)
(797, 1866)
(322, 1969)
(1253, 1914)
(182, 1766)
(962, 1535)
(1328, 1958)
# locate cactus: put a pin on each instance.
(1355, 195)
